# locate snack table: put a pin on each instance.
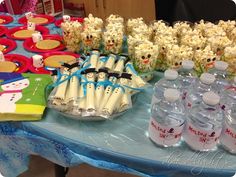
(121, 144)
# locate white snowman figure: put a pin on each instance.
(12, 91)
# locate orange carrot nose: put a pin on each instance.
(146, 61)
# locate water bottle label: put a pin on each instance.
(200, 139)
(164, 135)
(228, 137)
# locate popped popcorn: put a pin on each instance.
(182, 27)
(134, 22)
(91, 21)
(145, 57)
(204, 59)
(177, 54)
(218, 43)
(91, 39)
(72, 35)
(227, 26)
(230, 58)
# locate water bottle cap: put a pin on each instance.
(171, 74)
(211, 98)
(171, 95)
(221, 65)
(207, 78)
(188, 64)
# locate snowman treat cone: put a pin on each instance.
(125, 102)
(101, 62)
(101, 78)
(90, 90)
(137, 81)
(109, 89)
(94, 56)
(60, 93)
(82, 94)
(110, 62)
(12, 92)
(119, 67)
(116, 95)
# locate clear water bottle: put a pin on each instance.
(167, 119)
(187, 76)
(228, 135)
(169, 81)
(220, 72)
(196, 90)
(204, 123)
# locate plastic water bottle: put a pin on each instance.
(219, 71)
(228, 135)
(169, 81)
(187, 76)
(167, 119)
(204, 123)
(204, 84)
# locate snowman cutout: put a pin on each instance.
(12, 92)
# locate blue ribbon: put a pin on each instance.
(103, 59)
(104, 83)
(131, 67)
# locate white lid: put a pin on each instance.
(221, 65)
(211, 98)
(207, 78)
(170, 74)
(35, 57)
(188, 64)
(171, 95)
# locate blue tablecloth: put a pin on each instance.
(120, 145)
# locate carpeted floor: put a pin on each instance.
(40, 167)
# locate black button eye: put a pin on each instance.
(163, 48)
(180, 63)
(149, 56)
(154, 31)
(198, 48)
(109, 41)
(214, 59)
(91, 36)
(113, 40)
(176, 64)
(143, 57)
(87, 37)
(208, 60)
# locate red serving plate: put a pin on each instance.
(3, 30)
(10, 45)
(10, 34)
(51, 19)
(21, 62)
(7, 18)
(42, 70)
(31, 46)
(59, 21)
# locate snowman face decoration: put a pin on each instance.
(208, 62)
(87, 38)
(31, 26)
(66, 18)
(101, 76)
(145, 60)
(90, 75)
(17, 85)
(29, 15)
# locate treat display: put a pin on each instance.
(99, 92)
